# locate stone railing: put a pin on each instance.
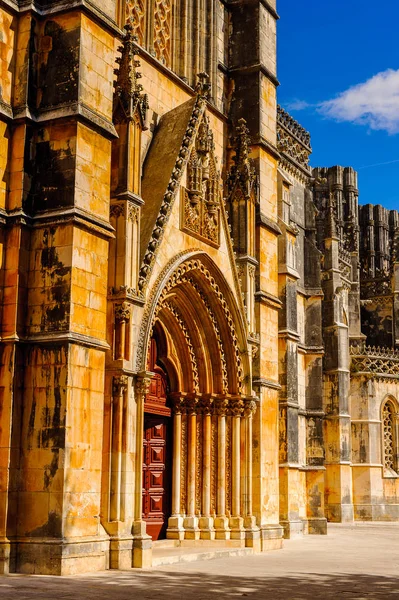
(380, 362)
(285, 120)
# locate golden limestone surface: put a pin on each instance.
(199, 332)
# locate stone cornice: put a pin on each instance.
(263, 221)
(65, 337)
(60, 216)
(6, 110)
(254, 68)
(263, 143)
(62, 6)
(265, 3)
(260, 382)
(80, 110)
(268, 299)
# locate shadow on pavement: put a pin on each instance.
(152, 585)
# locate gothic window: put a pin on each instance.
(390, 441)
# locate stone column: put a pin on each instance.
(221, 521)
(142, 543)
(119, 386)
(192, 531)
(236, 521)
(206, 521)
(175, 523)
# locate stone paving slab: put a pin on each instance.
(355, 562)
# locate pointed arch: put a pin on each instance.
(212, 329)
(389, 434)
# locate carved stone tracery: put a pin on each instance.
(163, 31)
(389, 437)
(201, 198)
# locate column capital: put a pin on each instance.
(221, 406)
(236, 406)
(119, 385)
(123, 312)
(205, 404)
(142, 383)
(250, 406)
(178, 403)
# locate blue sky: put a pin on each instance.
(325, 48)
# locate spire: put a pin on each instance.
(127, 88)
(243, 171)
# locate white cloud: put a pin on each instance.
(374, 103)
(299, 105)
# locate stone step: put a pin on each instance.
(170, 556)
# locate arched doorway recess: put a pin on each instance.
(202, 347)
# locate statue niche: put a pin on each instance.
(201, 197)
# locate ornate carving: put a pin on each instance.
(135, 14)
(292, 139)
(205, 405)
(179, 405)
(127, 88)
(178, 277)
(193, 359)
(142, 386)
(162, 31)
(201, 199)
(379, 362)
(378, 286)
(170, 194)
(133, 212)
(250, 407)
(150, 309)
(203, 86)
(117, 210)
(388, 424)
(236, 407)
(123, 312)
(221, 406)
(119, 385)
(242, 174)
(191, 405)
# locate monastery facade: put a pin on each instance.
(199, 332)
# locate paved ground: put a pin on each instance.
(352, 562)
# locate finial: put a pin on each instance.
(126, 86)
(243, 170)
(203, 86)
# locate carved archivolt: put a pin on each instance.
(176, 313)
(180, 276)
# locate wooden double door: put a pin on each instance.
(157, 454)
(156, 474)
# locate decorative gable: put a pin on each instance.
(201, 197)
